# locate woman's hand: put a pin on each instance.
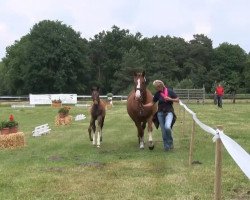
(167, 98)
(171, 99)
(148, 104)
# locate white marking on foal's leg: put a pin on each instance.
(98, 139)
(142, 143)
(94, 139)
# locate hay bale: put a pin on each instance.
(63, 120)
(12, 140)
(56, 105)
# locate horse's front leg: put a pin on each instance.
(140, 135)
(99, 130)
(92, 128)
(102, 123)
(150, 135)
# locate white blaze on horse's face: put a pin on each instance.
(138, 87)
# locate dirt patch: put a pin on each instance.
(56, 158)
(93, 164)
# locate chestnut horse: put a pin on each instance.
(98, 112)
(140, 115)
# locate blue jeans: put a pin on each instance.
(219, 99)
(165, 121)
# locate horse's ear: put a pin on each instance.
(143, 73)
(135, 74)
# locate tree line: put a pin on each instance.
(54, 58)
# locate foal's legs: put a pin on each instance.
(91, 128)
(101, 125)
(100, 121)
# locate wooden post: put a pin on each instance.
(191, 147)
(183, 121)
(179, 110)
(218, 166)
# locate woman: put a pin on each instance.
(166, 116)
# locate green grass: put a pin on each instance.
(65, 165)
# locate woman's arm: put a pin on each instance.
(167, 98)
(148, 104)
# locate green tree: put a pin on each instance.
(246, 74)
(233, 84)
(200, 55)
(132, 62)
(185, 84)
(162, 63)
(228, 62)
(52, 58)
(228, 58)
(107, 51)
(2, 73)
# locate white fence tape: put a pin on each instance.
(240, 156)
(80, 117)
(202, 125)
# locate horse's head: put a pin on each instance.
(95, 95)
(140, 84)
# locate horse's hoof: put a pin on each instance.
(98, 146)
(151, 147)
(141, 145)
(90, 138)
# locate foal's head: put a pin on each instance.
(95, 95)
(140, 84)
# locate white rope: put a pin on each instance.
(240, 156)
(202, 125)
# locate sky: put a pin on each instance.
(220, 20)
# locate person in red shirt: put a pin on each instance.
(219, 91)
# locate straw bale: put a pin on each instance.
(12, 140)
(56, 105)
(63, 120)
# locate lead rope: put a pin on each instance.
(141, 108)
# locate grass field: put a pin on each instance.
(65, 165)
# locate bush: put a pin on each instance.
(109, 95)
(3, 124)
(64, 110)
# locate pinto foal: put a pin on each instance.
(98, 112)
